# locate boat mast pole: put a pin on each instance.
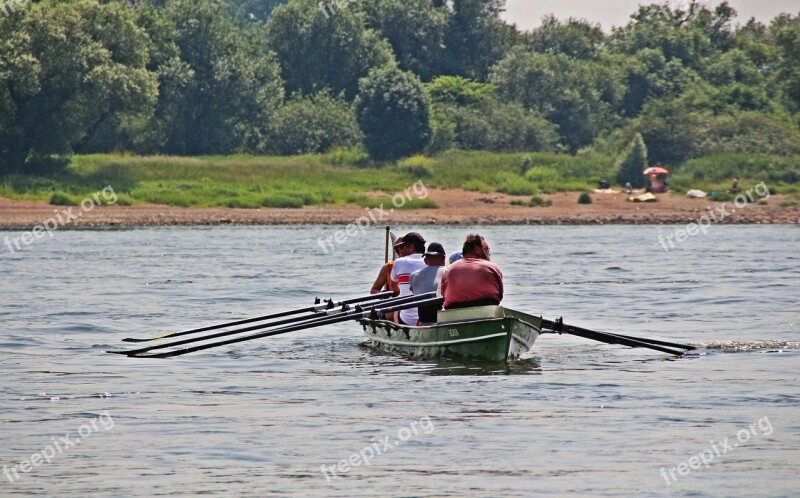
(386, 249)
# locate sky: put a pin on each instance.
(528, 13)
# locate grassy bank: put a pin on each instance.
(348, 177)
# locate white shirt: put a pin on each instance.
(401, 273)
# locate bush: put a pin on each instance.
(282, 201)
(537, 201)
(313, 124)
(512, 184)
(393, 111)
(584, 198)
(721, 197)
(62, 199)
(477, 186)
(500, 127)
(632, 163)
(417, 166)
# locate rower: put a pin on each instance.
(410, 247)
(428, 279)
(473, 280)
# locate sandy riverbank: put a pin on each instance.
(455, 207)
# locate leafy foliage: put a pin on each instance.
(201, 77)
(633, 163)
(393, 111)
(313, 124)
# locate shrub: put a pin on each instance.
(584, 198)
(393, 111)
(417, 166)
(477, 186)
(512, 184)
(313, 124)
(721, 197)
(62, 199)
(632, 163)
(282, 201)
(537, 201)
(241, 203)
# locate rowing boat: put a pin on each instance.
(490, 333)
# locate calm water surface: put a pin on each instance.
(261, 418)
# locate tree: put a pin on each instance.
(319, 49)
(313, 124)
(632, 163)
(576, 38)
(785, 33)
(566, 91)
(219, 99)
(460, 91)
(476, 38)
(56, 90)
(393, 112)
(414, 28)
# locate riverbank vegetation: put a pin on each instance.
(288, 103)
(350, 177)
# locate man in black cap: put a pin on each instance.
(411, 250)
(427, 279)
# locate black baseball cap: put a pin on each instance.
(435, 249)
(410, 238)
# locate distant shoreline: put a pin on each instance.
(455, 207)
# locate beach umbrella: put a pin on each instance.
(656, 170)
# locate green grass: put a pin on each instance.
(349, 177)
(534, 201)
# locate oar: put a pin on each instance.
(301, 320)
(311, 309)
(634, 342)
(358, 313)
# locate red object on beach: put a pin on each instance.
(656, 170)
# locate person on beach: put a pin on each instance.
(473, 280)
(410, 247)
(735, 186)
(428, 280)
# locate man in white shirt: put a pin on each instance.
(411, 247)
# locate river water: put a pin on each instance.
(261, 418)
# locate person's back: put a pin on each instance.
(424, 281)
(428, 279)
(473, 280)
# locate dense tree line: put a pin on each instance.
(193, 77)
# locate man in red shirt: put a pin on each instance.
(473, 280)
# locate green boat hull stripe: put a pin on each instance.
(439, 343)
